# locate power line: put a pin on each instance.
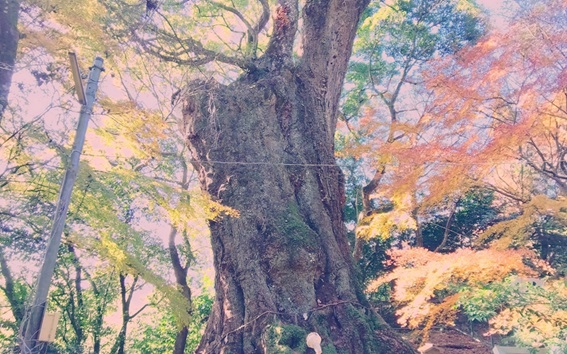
(332, 165)
(262, 163)
(300, 164)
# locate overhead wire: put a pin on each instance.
(301, 164)
(219, 162)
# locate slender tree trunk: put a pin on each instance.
(118, 346)
(126, 299)
(180, 272)
(96, 335)
(16, 303)
(374, 183)
(415, 217)
(101, 295)
(9, 37)
(418, 229)
(447, 230)
(180, 340)
(264, 145)
(97, 326)
(367, 209)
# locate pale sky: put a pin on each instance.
(495, 8)
(492, 5)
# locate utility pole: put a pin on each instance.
(31, 324)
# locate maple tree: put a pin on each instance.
(83, 306)
(418, 291)
(491, 285)
(152, 337)
(395, 41)
(496, 120)
(512, 105)
(516, 89)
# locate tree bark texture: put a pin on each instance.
(9, 36)
(263, 145)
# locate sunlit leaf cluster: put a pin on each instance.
(425, 285)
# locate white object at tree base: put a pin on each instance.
(314, 341)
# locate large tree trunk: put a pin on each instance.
(263, 145)
(9, 36)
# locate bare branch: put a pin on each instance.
(189, 47)
(186, 47)
(235, 12)
(284, 30)
(263, 20)
(139, 311)
(505, 193)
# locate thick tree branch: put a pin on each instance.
(508, 194)
(280, 47)
(178, 268)
(263, 20)
(329, 29)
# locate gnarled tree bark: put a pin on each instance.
(263, 145)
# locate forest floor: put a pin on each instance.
(451, 341)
